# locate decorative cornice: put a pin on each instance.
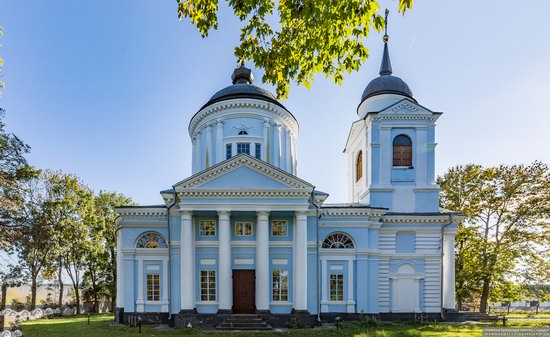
(141, 212)
(240, 104)
(241, 193)
(336, 212)
(414, 219)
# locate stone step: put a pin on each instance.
(265, 328)
(244, 322)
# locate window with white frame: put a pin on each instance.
(153, 287)
(228, 151)
(207, 228)
(336, 287)
(243, 228)
(258, 151)
(280, 285)
(208, 285)
(243, 148)
(279, 228)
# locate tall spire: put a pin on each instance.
(242, 74)
(385, 67)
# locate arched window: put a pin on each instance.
(243, 133)
(151, 240)
(359, 166)
(338, 241)
(402, 151)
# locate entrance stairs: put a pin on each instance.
(240, 322)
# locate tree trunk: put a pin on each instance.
(60, 281)
(77, 299)
(459, 303)
(4, 294)
(509, 304)
(33, 293)
(484, 295)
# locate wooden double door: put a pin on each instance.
(244, 291)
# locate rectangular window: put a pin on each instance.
(280, 285)
(228, 151)
(243, 148)
(208, 285)
(153, 287)
(243, 228)
(207, 228)
(336, 287)
(258, 151)
(279, 228)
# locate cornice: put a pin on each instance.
(241, 103)
(141, 212)
(415, 219)
(237, 193)
(336, 212)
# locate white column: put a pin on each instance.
(140, 303)
(262, 261)
(283, 148)
(198, 153)
(277, 146)
(448, 271)
(165, 300)
(288, 152)
(209, 148)
(324, 286)
(350, 302)
(421, 155)
(300, 260)
(294, 156)
(266, 140)
(385, 155)
(119, 271)
(186, 249)
(224, 256)
(194, 159)
(417, 294)
(219, 141)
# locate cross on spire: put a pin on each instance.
(385, 67)
(386, 37)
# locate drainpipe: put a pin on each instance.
(169, 271)
(317, 260)
(442, 270)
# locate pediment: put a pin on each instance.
(243, 173)
(406, 107)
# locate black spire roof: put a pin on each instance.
(386, 83)
(242, 88)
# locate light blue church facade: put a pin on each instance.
(244, 234)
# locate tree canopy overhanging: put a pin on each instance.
(293, 40)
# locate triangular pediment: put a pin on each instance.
(406, 107)
(243, 172)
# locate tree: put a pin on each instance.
(72, 207)
(12, 277)
(508, 210)
(303, 38)
(105, 203)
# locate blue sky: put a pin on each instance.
(105, 89)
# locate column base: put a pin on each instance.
(225, 311)
(188, 311)
(119, 316)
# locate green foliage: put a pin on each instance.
(506, 232)
(1, 62)
(293, 40)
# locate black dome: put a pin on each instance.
(242, 88)
(386, 84)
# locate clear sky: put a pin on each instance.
(105, 89)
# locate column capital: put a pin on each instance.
(219, 122)
(186, 213)
(223, 212)
(301, 213)
(262, 213)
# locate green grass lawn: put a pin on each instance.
(102, 326)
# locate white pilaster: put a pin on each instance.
(266, 140)
(277, 146)
(224, 255)
(187, 274)
(165, 301)
(219, 141)
(140, 304)
(288, 152)
(448, 270)
(209, 148)
(194, 155)
(119, 271)
(351, 301)
(198, 154)
(294, 156)
(324, 286)
(283, 149)
(262, 261)
(300, 260)
(421, 155)
(385, 155)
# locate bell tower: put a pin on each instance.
(391, 148)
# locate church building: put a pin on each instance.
(245, 235)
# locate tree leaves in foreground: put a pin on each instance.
(293, 40)
(506, 235)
